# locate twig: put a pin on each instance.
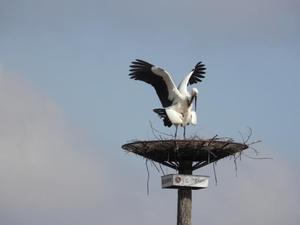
(161, 169)
(235, 165)
(148, 178)
(153, 129)
(254, 142)
(254, 157)
(154, 165)
(249, 135)
(215, 174)
(242, 137)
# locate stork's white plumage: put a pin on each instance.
(177, 102)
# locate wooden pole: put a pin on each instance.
(184, 202)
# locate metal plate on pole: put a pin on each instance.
(176, 181)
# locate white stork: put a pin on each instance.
(177, 102)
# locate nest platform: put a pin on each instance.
(173, 153)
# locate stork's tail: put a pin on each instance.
(162, 114)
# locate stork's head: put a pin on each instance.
(194, 92)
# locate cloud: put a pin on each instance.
(41, 169)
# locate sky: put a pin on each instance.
(67, 106)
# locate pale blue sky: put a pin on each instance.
(77, 54)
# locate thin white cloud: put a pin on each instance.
(40, 167)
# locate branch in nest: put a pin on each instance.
(254, 157)
(148, 177)
(249, 135)
(160, 137)
(254, 142)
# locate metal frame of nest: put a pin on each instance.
(197, 152)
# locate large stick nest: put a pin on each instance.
(198, 152)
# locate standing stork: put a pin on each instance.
(177, 102)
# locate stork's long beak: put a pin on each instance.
(194, 97)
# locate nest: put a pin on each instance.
(197, 153)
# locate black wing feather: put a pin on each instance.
(162, 114)
(141, 70)
(198, 73)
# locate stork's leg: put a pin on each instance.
(184, 132)
(176, 126)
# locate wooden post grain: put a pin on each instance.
(184, 202)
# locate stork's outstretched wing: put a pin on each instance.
(198, 73)
(158, 78)
(193, 77)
